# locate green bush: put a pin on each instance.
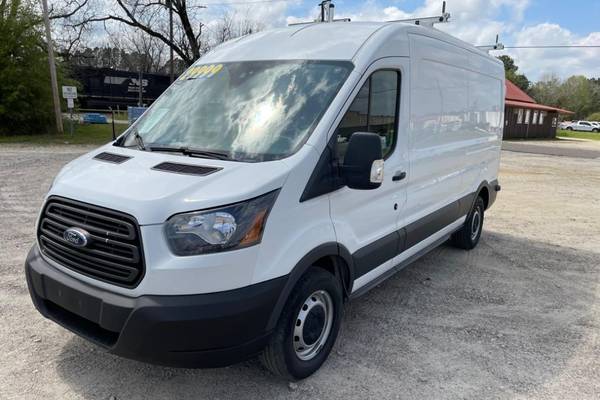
(25, 92)
(594, 117)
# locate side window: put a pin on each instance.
(373, 110)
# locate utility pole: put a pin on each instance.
(141, 88)
(171, 66)
(53, 80)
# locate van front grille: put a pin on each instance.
(113, 252)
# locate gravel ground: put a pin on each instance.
(518, 317)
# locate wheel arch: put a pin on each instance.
(331, 256)
(487, 191)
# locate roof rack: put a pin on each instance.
(492, 47)
(428, 21)
(327, 12)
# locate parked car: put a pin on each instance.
(584, 126)
(564, 124)
(279, 177)
(94, 118)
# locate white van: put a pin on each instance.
(283, 174)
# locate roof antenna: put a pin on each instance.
(495, 46)
(428, 21)
(327, 14)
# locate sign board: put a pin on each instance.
(69, 92)
(133, 113)
(70, 103)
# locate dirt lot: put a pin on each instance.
(518, 317)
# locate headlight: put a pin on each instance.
(225, 228)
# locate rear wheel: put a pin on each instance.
(569, 128)
(307, 327)
(468, 236)
(595, 130)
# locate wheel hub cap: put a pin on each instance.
(475, 224)
(313, 325)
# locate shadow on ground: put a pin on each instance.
(503, 320)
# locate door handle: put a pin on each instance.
(398, 176)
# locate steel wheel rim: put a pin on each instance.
(475, 224)
(317, 306)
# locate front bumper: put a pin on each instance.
(206, 330)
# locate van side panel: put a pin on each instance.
(456, 123)
(486, 115)
(438, 115)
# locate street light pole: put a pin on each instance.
(53, 80)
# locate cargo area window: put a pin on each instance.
(374, 109)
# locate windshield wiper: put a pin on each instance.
(139, 141)
(218, 155)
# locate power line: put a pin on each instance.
(553, 47)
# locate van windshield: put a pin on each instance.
(247, 111)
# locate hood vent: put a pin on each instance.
(186, 169)
(111, 158)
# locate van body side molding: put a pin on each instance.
(378, 252)
(381, 278)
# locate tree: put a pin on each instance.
(139, 52)
(511, 71)
(577, 95)
(191, 37)
(25, 94)
(231, 25)
(151, 17)
(547, 90)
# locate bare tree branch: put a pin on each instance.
(191, 37)
(70, 13)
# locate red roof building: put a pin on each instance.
(524, 118)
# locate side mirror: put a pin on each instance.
(363, 164)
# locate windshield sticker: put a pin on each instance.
(201, 71)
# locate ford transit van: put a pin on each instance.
(282, 175)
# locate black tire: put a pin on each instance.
(569, 128)
(595, 130)
(468, 236)
(280, 356)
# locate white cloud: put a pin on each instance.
(474, 21)
(479, 21)
(471, 20)
(564, 62)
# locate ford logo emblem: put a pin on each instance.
(77, 237)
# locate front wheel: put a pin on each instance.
(307, 327)
(468, 236)
(569, 128)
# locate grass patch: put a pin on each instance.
(93, 134)
(578, 135)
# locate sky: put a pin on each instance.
(518, 22)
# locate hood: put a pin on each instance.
(151, 195)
